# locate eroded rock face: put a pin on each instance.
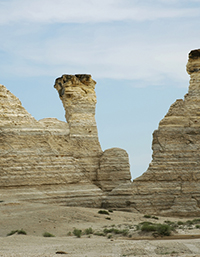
(79, 100)
(114, 169)
(54, 161)
(171, 185)
(11, 112)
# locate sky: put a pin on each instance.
(135, 50)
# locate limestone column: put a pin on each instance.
(77, 93)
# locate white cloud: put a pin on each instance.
(78, 11)
(148, 52)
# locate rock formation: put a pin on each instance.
(54, 161)
(171, 185)
(51, 160)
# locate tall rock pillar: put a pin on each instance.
(79, 100)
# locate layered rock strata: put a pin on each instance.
(54, 161)
(171, 185)
(51, 160)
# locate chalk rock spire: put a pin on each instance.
(79, 100)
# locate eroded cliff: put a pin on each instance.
(171, 185)
(55, 161)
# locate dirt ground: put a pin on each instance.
(60, 221)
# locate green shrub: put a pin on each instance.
(47, 234)
(21, 232)
(109, 236)
(180, 223)
(196, 221)
(108, 218)
(197, 226)
(160, 229)
(189, 222)
(110, 210)
(148, 228)
(124, 232)
(77, 232)
(147, 216)
(88, 231)
(163, 229)
(155, 218)
(12, 232)
(103, 212)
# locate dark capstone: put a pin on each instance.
(194, 54)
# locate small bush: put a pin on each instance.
(69, 233)
(180, 223)
(160, 229)
(148, 228)
(196, 221)
(197, 226)
(21, 232)
(103, 212)
(12, 232)
(189, 222)
(47, 234)
(155, 218)
(77, 232)
(109, 236)
(124, 232)
(163, 229)
(147, 216)
(110, 211)
(108, 218)
(88, 231)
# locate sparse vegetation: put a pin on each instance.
(109, 236)
(103, 212)
(112, 230)
(158, 229)
(12, 232)
(77, 232)
(150, 217)
(99, 233)
(47, 234)
(88, 231)
(155, 218)
(19, 232)
(147, 216)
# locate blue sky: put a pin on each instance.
(135, 50)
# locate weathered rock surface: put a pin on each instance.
(171, 185)
(113, 169)
(51, 160)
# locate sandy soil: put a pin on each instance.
(36, 218)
